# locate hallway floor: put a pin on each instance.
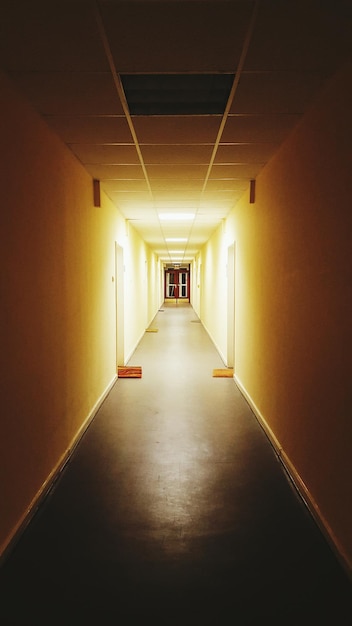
(174, 509)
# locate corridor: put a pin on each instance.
(174, 509)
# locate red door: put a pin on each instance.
(177, 284)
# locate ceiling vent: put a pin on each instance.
(177, 94)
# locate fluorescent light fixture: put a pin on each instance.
(176, 251)
(176, 216)
(174, 239)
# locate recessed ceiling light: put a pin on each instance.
(176, 216)
(176, 239)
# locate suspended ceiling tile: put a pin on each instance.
(106, 154)
(213, 202)
(171, 185)
(130, 206)
(132, 185)
(245, 153)
(70, 93)
(177, 130)
(215, 205)
(216, 194)
(226, 185)
(235, 171)
(128, 195)
(203, 224)
(183, 195)
(118, 173)
(150, 224)
(298, 35)
(175, 154)
(161, 36)
(258, 128)
(54, 36)
(181, 172)
(201, 231)
(182, 227)
(91, 129)
(276, 92)
(150, 231)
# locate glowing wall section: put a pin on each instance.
(293, 304)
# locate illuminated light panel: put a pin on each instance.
(174, 239)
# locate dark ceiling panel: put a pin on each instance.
(177, 94)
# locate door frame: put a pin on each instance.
(119, 305)
(231, 308)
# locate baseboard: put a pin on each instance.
(48, 484)
(299, 484)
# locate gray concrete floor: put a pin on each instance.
(174, 509)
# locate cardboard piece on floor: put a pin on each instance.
(223, 373)
(129, 371)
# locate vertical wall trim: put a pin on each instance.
(231, 264)
(96, 192)
(252, 192)
(120, 306)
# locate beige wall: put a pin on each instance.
(293, 350)
(58, 311)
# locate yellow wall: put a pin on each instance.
(58, 313)
(294, 300)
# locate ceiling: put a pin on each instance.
(112, 78)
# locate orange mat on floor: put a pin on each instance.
(129, 371)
